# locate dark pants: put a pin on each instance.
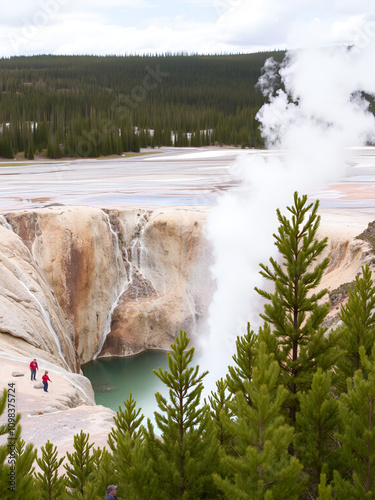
(33, 374)
(45, 386)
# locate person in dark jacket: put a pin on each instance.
(111, 492)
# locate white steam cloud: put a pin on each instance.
(309, 127)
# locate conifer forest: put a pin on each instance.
(89, 106)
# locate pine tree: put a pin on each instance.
(324, 490)
(25, 457)
(126, 421)
(358, 317)
(80, 468)
(182, 461)
(244, 361)
(56, 147)
(90, 492)
(262, 467)
(317, 421)
(6, 147)
(50, 484)
(50, 150)
(357, 439)
(105, 472)
(29, 147)
(127, 444)
(293, 309)
(219, 404)
(136, 143)
(16, 458)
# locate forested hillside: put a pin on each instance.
(91, 106)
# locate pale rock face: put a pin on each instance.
(346, 254)
(168, 283)
(139, 274)
(77, 251)
(65, 273)
(28, 307)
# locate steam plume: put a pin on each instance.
(309, 126)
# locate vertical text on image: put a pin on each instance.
(11, 445)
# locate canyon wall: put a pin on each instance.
(80, 282)
(116, 282)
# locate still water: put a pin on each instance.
(113, 379)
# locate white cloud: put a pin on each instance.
(126, 4)
(118, 26)
(291, 22)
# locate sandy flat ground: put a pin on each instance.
(174, 177)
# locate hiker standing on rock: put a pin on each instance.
(111, 492)
(33, 368)
(45, 380)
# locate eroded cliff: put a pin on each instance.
(123, 280)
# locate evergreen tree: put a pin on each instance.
(183, 460)
(25, 457)
(105, 472)
(293, 310)
(262, 467)
(127, 444)
(136, 143)
(30, 153)
(48, 482)
(324, 490)
(357, 439)
(50, 150)
(80, 467)
(16, 458)
(244, 362)
(133, 468)
(90, 492)
(219, 404)
(6, 147)
(317, 421)
(56, 148)
(126, 421)
(358, 317)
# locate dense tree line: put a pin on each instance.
(294, 417)
(90, 106)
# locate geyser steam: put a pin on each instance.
(309, 127)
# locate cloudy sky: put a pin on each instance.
(193, 26)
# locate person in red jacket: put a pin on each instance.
(45, 380)
(33, 368)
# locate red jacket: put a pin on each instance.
(46, 378)
(34, 365)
